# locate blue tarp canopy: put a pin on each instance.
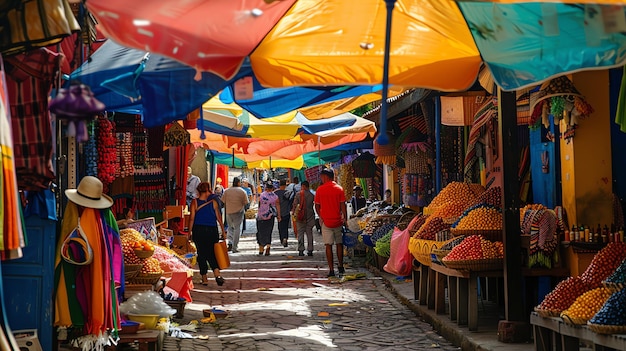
(168, 87)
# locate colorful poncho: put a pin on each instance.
(85, 296)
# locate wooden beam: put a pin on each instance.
(509, 151)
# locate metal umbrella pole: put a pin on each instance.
(382, 136)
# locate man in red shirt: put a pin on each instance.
(330, 205)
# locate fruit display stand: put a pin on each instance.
(462, 293)
(551, 333)
(587, 307)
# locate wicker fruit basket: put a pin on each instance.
(406, 219)
(143, 278)
(485, 264)
(131, 270)
(572, 320)
(547, 313)
(607, 329)
(614, 287)
(489, 234)
(144, 253)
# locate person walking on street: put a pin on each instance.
(330, 204)
(269, 208)
(305, 218)
(192, 184)
(245, 185)
(204, 219)
(285, 207)
(235, 200)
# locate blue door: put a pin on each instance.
(29, 282)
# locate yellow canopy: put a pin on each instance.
(337, 42)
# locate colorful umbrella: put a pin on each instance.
(432, 45)
(232, 120)
(134, 81)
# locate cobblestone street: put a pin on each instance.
(277, 302)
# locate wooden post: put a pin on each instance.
(509, 152)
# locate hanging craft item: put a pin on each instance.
(559, 98)
(76, 104)
(25, 25)
(364, 166)
(385, 154)
(541, 226)
(107, 153)
(176, 135)
(418, 158)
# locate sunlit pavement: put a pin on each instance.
(279, 302)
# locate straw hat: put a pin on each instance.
(89, 194)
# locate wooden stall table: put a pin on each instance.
(552, 334)
(460, 283)
(146, 340)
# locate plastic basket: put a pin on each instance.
(421, 249)
(437, 255)
(349, 238)
(367, 240)
(486, 264)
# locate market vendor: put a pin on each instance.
(192, 184)
(357, 201)
(127, 216)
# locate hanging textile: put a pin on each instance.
(222, 172)
(620, 113)
(417, 189)
(29, 79)
(85, 295)
(484, 115)
(11, 222)
(364, 166)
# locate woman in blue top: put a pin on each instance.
(203, 220)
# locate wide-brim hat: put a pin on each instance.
(89, 194)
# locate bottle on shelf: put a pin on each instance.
(605, 234)
(612, 236)
(587, 232)
(597, 234)
(575, 235)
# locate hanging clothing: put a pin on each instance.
(29, 80)
(85, 296)
(11, 223)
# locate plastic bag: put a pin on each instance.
(400, 259)
(148, 302)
